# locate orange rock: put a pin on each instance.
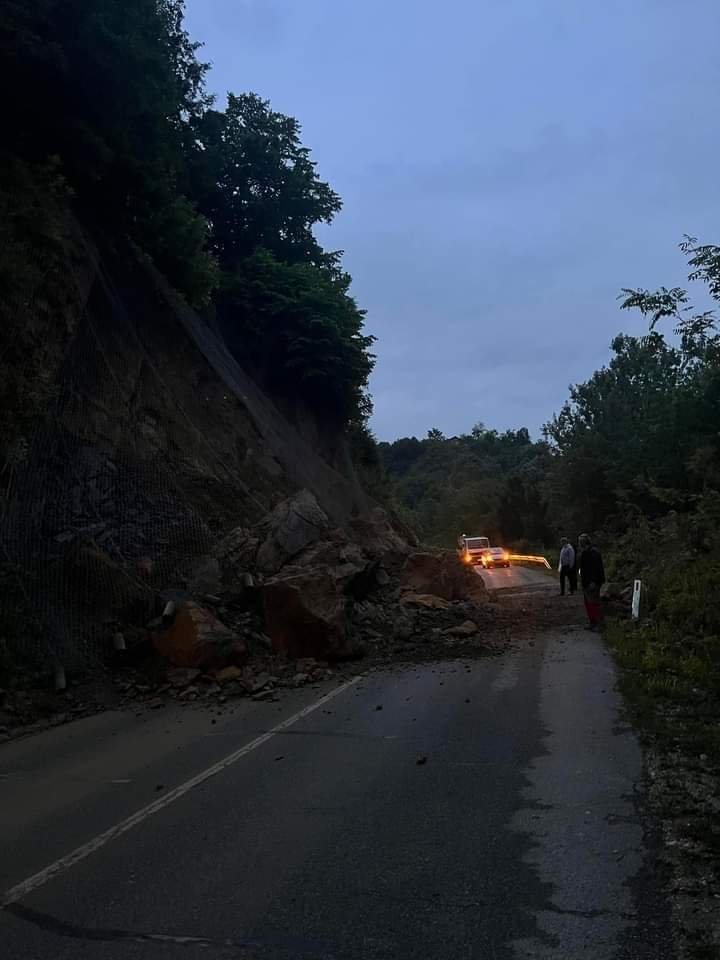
(196, 638)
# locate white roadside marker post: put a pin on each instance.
(636, 599)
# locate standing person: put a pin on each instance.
(567, 564)
(592, 576)
(573, 576)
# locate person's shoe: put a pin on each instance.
(590, 626)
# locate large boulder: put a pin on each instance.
(306, 614)
(289, 529)
(292, 527)
(442, 575)
(306, 606)
(197, 639)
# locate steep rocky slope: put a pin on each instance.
(136, 443)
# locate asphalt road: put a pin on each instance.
(483, 809)
(517, 577)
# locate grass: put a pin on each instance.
(670, 677)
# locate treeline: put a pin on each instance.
(483, 482)
(632, 458)
(638, 441)
(642, 437)
(107, 105)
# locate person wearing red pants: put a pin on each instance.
(592, 577)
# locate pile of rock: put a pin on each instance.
(259, 680)
(280, 605)
(296, 587)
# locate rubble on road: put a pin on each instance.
(181, 677)
(285, 603)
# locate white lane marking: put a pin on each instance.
(64, 863)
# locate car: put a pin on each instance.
(478, 552)
(495, 557)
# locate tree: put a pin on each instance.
(257, 185)
(223, 202)
(300, 331)
(629, 439)
(285, 306)
(482, 482)
(110, 88)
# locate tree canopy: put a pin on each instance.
(639, 438)
(484, 482)
(642, 435)
(224, 202)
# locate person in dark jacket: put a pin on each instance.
(592, 577)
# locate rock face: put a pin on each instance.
(139, 443)
(384, 536)
(292, 526)
(288, 530)
(440, 575)
(197, 639)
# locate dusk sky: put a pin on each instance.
(506, 166)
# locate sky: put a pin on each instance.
(506, 167)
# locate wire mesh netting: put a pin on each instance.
(125, 459)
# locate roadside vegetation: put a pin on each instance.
(111, 118)
(633, 458)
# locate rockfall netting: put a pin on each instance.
(124, 455)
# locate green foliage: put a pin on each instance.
(110, 88)
(675, 547)
(301, 332)
(611, 438)
(641, 436)
(114, 90)
(484, 483)
(256, 183)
